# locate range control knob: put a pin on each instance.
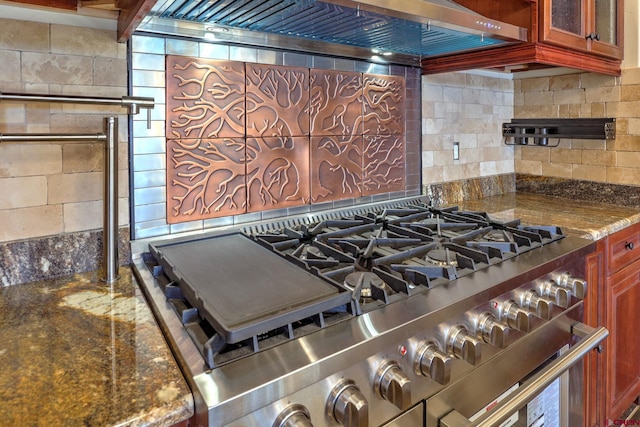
(492, 331)
(462, 345)
(431, 362)
(534, 302)
(393, 385)
(293, 416)
(577, 286)
(515, 317)
(347, 405)
(558, 294)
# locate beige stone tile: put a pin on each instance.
(603, 94)
(536, 111)
(633, 125)
(569, 111)
(109, 72)
(13, 117)
(432, 93)
(491, 154)
(540, 154)
(561, 170)
(25, 159)
(123, 184)
(443, 158)
(625, 176)
(574, 96)
(23, 192)
(630, 76)
(10, 65)
(52, 68)
(78, 187)
(427, 159)
(83, 41)
(528, 167)
(435, 142)
(562, 155)
(630, 93)
(433, 175)
(496, 167)
(595, 80)
(82, 157)
(77, 123)
(518, 99)
(107, 91)
(83, 216)
(589, 173)
(517, 85)
(629, 160)
(536, 84)
(624, 143)
(588, 144)
(452, 94)
(30, 222)
(446, 79)
(599, 158)
(23, 35)
(566, 82)
(623, 109)
(622, 126)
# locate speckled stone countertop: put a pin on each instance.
(75, 351)
(589, 219)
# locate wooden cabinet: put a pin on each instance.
(622, 306)
(584, 25)
(582, 34)
(612, 380)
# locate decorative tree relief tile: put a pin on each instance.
(277, 172)
(205, 98)
(277, 101)
(336, 168)
(335, 103)
(205, 178)
(383, 99)
(383, 164)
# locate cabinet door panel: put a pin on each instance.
(606, 14)
(624, 345)
(567, 15)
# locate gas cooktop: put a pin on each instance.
(244, 291)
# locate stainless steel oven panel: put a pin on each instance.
(456, 403)
(414, 417)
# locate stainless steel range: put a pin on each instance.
(396, 313)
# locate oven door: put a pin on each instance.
(413, 417)
(488, 396)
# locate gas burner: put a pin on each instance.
(496, 236)
(364, 280)
(441, 258)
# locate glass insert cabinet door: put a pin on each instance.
(568, 15)
(593, 26)
(606, 15)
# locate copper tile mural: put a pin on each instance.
(249, 137)
(335, 103)
(277, 101)
(205, 98)
(205, 178)
(383, 105)
(277, 172)
(336, 168)
(383, 164)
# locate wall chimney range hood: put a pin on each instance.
(387, 31)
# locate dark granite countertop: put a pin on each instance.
(589, 219)
(75, 351)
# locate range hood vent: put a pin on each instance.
(401, 31)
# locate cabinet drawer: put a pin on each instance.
(623, 247)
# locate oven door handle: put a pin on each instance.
(536, 384)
